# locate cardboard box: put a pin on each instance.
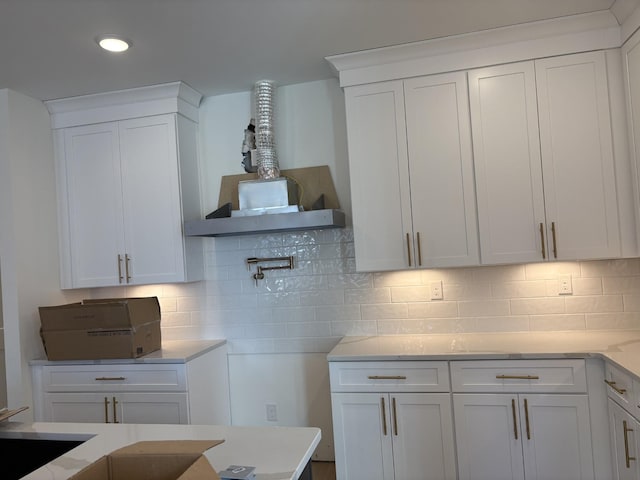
(101, 329)
(154, 460)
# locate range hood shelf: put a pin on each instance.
(267, 223)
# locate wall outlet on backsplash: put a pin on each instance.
(436, 290)
(564, 284)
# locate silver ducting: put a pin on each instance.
(267, 159)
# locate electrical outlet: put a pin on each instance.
(564, 284)
(436, 290)
(272, 413)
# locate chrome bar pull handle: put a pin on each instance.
(103, 379)
(120, 277)
(409, 248)
(115, 412)
(515, 420)
(627, 457)
(106, 410)
(518, 377)
(544, 252)
(618, 390)
(553, 235)
(127, 260)
(419, 249)
(384, 416)
(526, 418)
(395, 416)
(387, 377)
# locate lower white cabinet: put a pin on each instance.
(624, 430)
(523, 436)
(623, 392)
(522, 419)
(117, 407)
(403, 436)
(392, 420)
(192, 390)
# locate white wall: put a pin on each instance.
(28, 235)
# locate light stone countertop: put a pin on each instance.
(176, 351)
(278, 453)
(621, 347)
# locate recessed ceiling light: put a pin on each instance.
(113, 43)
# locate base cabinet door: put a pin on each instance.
(624, 431)
(167, 408)
(523, 436)
(407, 436)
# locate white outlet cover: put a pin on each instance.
(564, 284)
(436, 290)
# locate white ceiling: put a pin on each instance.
(47, 47)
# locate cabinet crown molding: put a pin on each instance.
(559, 36)
(175, 97)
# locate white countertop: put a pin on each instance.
(278, 453)
(177, 351)
(621, 347)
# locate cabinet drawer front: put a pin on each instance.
(519, 376)
(620, 387)
(396, 376)
(123, 378)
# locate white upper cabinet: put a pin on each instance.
(631, 76)
(124, 188)
(544, 163)
(411, 173)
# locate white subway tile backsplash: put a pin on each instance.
(433, 309)
(309, 308)
(367, 295)
(329, 313)
(557, 322)
(537, 306)
(594, 304)
(483, 308)
(525, 289)
(384, 310)
(410, 294)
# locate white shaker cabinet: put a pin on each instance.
(624, 431)
(177, 391)
(411, 173)
(511, 430)
(544, 162)
(386, 425)
(124, 189)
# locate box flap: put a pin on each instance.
(199, 470)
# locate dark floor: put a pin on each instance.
(323, 470)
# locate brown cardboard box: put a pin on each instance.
(98, 329)
(154, 460)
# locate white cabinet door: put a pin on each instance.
(488, 436)
(406, 436)
(556, 437)
(532, 436)
(423, 445)
(93, 199)
(631, 76)
(507, 163)
(109, 407)
(121, 203)
(624, 431)
(379, 176)
(411, 174)
(441, 171)
(151, 198)
(362, 436)
(545, 119)
(576, 144)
